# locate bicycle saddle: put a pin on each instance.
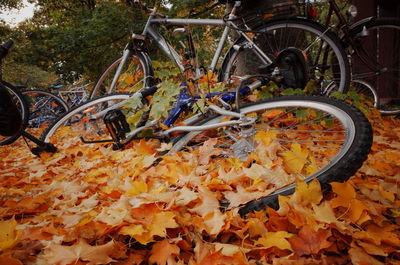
(293, 68)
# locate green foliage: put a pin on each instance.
(80, 41)
(165, 70)
(356, 99)
(292, 92)
(162, 101)
(29, 75)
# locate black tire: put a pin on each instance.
(23, 109)
(347, 121)
(375, 41)
(76, 122)
(276, 36)
(144, 76)
(44, 109)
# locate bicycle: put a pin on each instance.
(374, 67)
(74, 96)
(329, 138)
(44, 108)
(22, 106)
(266, 47)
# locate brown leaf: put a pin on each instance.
(360, 257)
(309, 241)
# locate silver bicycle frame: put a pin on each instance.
(175, 57)
(171, 53)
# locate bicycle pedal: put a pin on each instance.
(116, 124)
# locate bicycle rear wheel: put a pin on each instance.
(375, 59)
(23, 109)
(292, 138)
(136, 74)
(86, 121)
(326, 61)
(44, 108)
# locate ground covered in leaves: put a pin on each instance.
(88, 204)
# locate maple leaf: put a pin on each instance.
(295, 158)
(162, 221)
(185, 196)
(63, 255)
(138, 232)
(214, 222)
(275, 239)
(209, 202)
(309, 241)
(8, 234)
(162, 252)
(6, 258)
(324, 213)
(360, 257)
(347, 199)
(243, 196)
(207, 150)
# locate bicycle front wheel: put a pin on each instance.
(374, 61)
(44, 108)
(86, 121)
(326, 61)
(292, 138)
(136, 74)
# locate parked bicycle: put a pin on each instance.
(273, 46)
(371, 44)
(74, 96)
(313, 137)
(23, 108)
(44, 108)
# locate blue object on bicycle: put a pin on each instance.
(56, 87)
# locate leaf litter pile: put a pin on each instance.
(87, 204)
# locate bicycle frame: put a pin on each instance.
(184, 101)
(171, 53)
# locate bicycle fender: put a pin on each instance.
(360, 23)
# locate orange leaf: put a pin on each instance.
(309, 241)
(162, 252)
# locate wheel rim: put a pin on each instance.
(84, 121)
(346, 130)
(132, 78)
(44, 109)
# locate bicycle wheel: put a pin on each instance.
(136, 74)
(23, 109)
(374, 61)
(326, 60)
(310, 137)
(44, 108)
(86, 120)
(366, 89)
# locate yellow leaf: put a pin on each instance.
(8, 234)
(324, 213)
(265, 137)
(308, 193)
(345, 190)
(275, 239)
(295, 158)
(137, 188)
(138, 232)
(228, 249)
(161, 221)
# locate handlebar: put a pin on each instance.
(5, 47)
